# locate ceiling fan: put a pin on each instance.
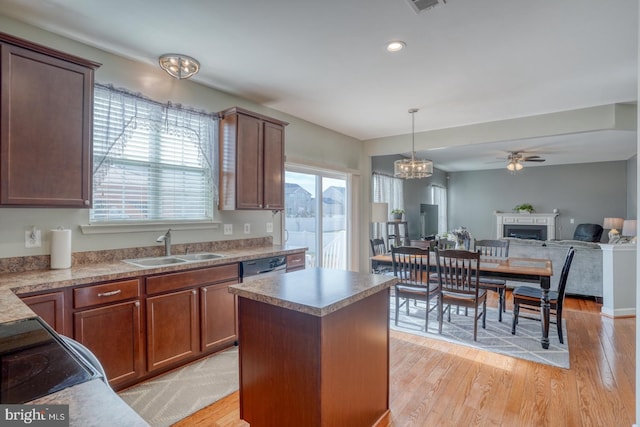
(517, 158)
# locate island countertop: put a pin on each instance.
(315, 291)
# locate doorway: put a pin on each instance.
(316, 212)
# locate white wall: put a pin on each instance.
(304, 141)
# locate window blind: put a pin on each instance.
(151, 161)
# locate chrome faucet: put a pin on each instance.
(166, 238)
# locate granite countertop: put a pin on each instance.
(314, 291)
(46, 280)
(87, 403)
(93, 402)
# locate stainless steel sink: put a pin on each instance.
(163, 261)
(156, 261)
(199, 257)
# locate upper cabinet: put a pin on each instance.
(45, 126)
(251, 161)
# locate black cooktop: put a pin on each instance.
(35, 362)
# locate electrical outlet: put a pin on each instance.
(269, 227)
(572, 221)
(247, 228)
(32, 238)
(228, 229)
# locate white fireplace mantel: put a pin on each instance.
(512, 218)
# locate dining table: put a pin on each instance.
(534, 270)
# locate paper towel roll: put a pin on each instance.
(60, 249)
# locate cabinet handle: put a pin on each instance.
(137, 303)
(87, 202)
(204, 290)
(110, 293)
(193, 291)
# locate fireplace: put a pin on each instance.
(534, 232)
(539, 226)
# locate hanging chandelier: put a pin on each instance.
(412, 168)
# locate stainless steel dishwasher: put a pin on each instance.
(263, 267)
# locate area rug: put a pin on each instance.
(169, 398)
(496, 337)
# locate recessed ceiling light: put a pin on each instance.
(396, 46)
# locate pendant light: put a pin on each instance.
(412, 168)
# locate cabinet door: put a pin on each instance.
(45, 130)
(273, 185)
(218, 316)
(249, 185)
(173, 332)
(50, 307)
(113, 334)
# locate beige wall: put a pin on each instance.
(304, 141)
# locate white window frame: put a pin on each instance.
(195, 123)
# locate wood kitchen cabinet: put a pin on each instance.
(45, 126)
(172, 328)
(189, 313)
(252, 161)
(107, 320)
(296, 262)
(50, 308)
(219, 316)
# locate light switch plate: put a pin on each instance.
(247, 228)
(228, 229)
(269, 227)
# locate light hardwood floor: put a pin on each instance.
(433, 383)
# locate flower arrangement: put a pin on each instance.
(461, 235)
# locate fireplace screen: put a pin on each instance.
(535, 232)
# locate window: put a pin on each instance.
(439, 197)
(151, 161)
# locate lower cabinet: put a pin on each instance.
(218, 308)
(50, 307)
(113, 334)
(107, 320)
(172, 328)
(296, 262)
(189, 313)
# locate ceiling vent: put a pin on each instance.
(422, 5)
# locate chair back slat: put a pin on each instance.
(378, 247)
(410, 264)
(492, 248)
(458, 271)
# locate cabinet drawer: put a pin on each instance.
(106, 293)
(173, 281)
(295, 260)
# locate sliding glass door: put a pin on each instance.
(316, 212)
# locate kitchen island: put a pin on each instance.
(314, 348)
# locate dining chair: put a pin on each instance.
(445, 244)
(411, 267)
(459, 285)
(378, 247)
(530, 298)
(496, 249)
